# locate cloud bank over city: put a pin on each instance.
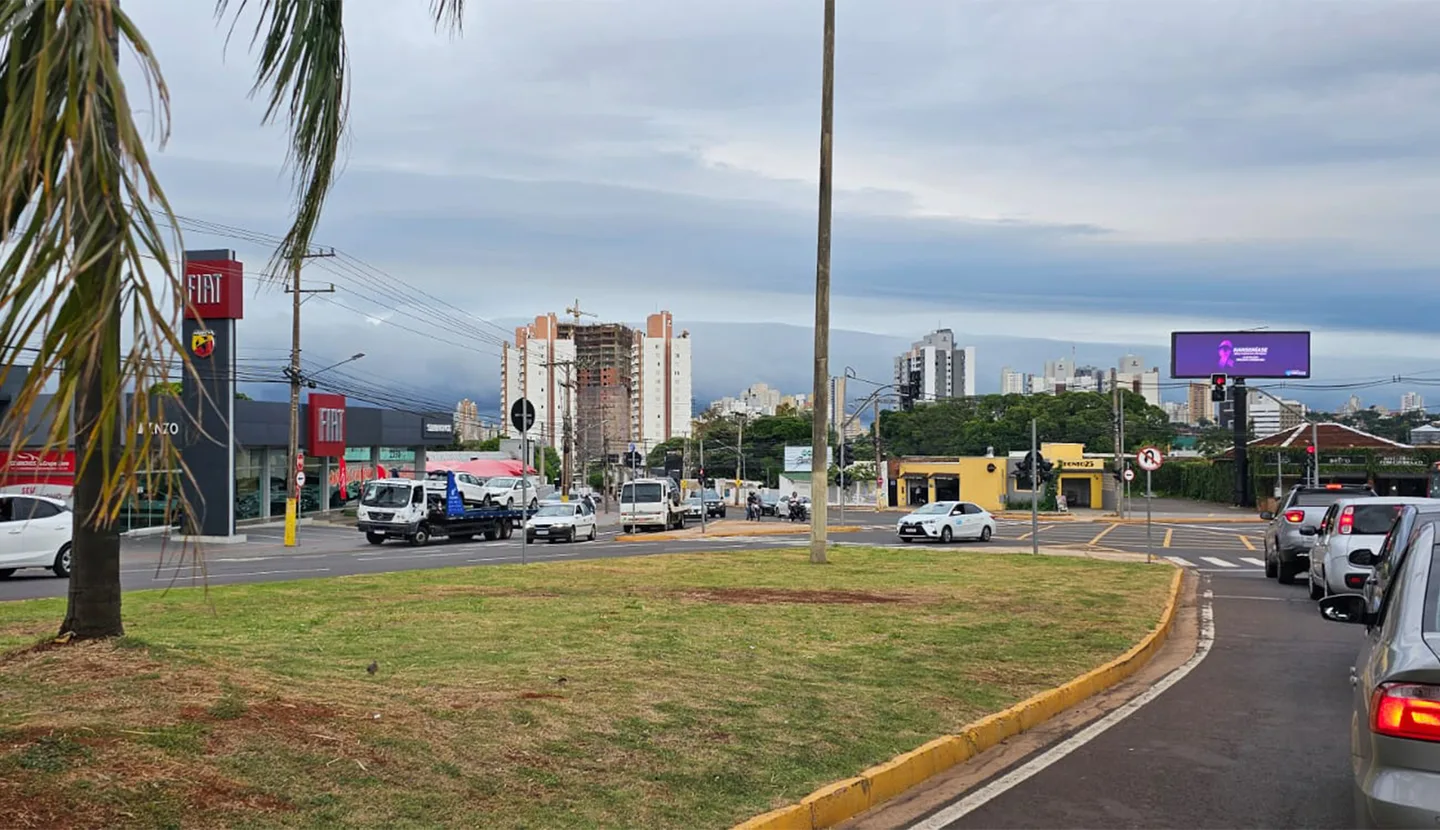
(1092, 174)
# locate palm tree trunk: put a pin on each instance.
(93, 609)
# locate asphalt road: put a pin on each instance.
(329, 550)
(1256, 735)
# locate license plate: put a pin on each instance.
(540, 531)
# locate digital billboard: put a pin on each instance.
(1243, 354)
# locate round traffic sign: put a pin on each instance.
(299, 479)
(1149, 459)
(1129, 474)
(522, 414)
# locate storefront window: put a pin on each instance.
(276, 481)
(357, 468)
(249, 466)
(315, 485)
(398, 461)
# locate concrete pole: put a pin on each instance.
(292, 486)
(820, 428)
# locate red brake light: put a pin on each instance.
(1347, 520)
(1406, 710)
(1294, 517)
(1333, 486)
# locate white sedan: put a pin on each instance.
(570, 521)
(947, 521)
(34, 533)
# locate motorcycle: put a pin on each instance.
(798, 511)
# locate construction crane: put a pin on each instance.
(574, 311)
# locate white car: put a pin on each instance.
(946, 521)
(511, 492)
(471, 487)
(570, 521)
(35, 533)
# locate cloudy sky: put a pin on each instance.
(1038, 176)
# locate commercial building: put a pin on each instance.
(935, 369)
(469, 426)
(990, 481)
(603, 366)
(535, 368)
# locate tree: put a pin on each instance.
(77, 217)
(167, 387)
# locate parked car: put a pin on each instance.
(35, 532)
(514, 491)
(1287, 550)
(769, 504)
(1349, 525)
(946, 521)
(569, 521)
(694, 509)
(1395, 731)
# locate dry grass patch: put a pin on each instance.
(659, 691)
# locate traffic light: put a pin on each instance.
(1023, 481)
(1044, 468)
(1310, 462)
(1218, 384)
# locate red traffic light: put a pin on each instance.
(1219, 379)
(1310, 448)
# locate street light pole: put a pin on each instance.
(819, 429)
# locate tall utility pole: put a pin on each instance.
(292, 482)
(566, 428)
(880, 497)
(1240, 424)
(820, 428)
(1115, 417)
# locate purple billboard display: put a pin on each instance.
(1241, 354)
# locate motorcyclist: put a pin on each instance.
(752, 507)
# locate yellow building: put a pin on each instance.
(988, 482)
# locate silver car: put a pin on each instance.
(1395, 728)
(1350, 525)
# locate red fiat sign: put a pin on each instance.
(327, 425)
(215, 288)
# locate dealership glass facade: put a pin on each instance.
(249, 472)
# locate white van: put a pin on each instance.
(651, 502)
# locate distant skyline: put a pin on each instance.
(1029, 173)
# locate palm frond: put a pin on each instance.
(75, 182)
(303, 63)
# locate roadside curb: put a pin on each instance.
(739, 533)
(1185, 520)
(843, 800)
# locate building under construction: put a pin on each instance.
(603, 377)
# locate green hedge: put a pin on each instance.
(1206, 480)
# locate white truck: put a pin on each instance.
(651, 503)
(407, 509)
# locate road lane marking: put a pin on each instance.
(1218, 562)
(1249, 545)
(228, 575)
(949, 815)
(243, 559)
(1250, 560)
(1101, 534)
(1267, 599)
(1169, 532)
(1181, 561)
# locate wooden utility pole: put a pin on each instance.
(567, 442)
(880, 496)
(292, 483)
(819, 428)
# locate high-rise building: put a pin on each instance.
(1411, 402)
(467, 422)
(1014, 383)
(1177, 411)
(660, 404)
(934, 368)
(1197, 395)
(603, 362)
(535, 368)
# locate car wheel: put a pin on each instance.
(421, 537)
(985, 534)
(62, 562)
(1317, 592)
(375, 538)
(628, 528)
(591, 537)
(906, 539)
(491, 534)
(6, 573)
(1269, 565)
(529, 538)
(1284, 572)
(946, 536)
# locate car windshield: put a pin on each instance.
(711, 495)
(556, 510)
(1375, 519)
(502, 482)
(932, 509)
(693, 500)
(646, 493)
(386, 494)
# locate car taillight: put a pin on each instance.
(1295, 517)
(1354, 580)
(1347, 520)
(1406, 710)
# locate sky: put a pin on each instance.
(1039, 176)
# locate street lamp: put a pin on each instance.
(351, 359)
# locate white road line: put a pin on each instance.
(228, 575)
(1181, 561)
(1250, 560)
(1010, 780)
(1218, 562)
(1267, 599)
(242, 559)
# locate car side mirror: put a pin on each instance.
(1309, 530)
(1344, 608)
(1363, 558)
(1267, 516)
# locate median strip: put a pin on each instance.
(732, 530)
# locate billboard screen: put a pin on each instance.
(797, 459)
(1243, 354)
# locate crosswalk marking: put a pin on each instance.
(1181, 561)
(1218, 562)
(1250, 560)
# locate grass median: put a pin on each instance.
(676, 691)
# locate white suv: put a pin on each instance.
(651, 502)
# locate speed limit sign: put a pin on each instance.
(1129, 474)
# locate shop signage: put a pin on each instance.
(438, 428)
(327, 425)
(33, 464)
(215, 289)
(357, 453)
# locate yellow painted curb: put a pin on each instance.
(737, 533)
(843, 800)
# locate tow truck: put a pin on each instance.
(404, 508)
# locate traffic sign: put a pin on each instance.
(299, 462)
(299, 479)
(1149, 459)
(1129, 474)
(522, 415)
